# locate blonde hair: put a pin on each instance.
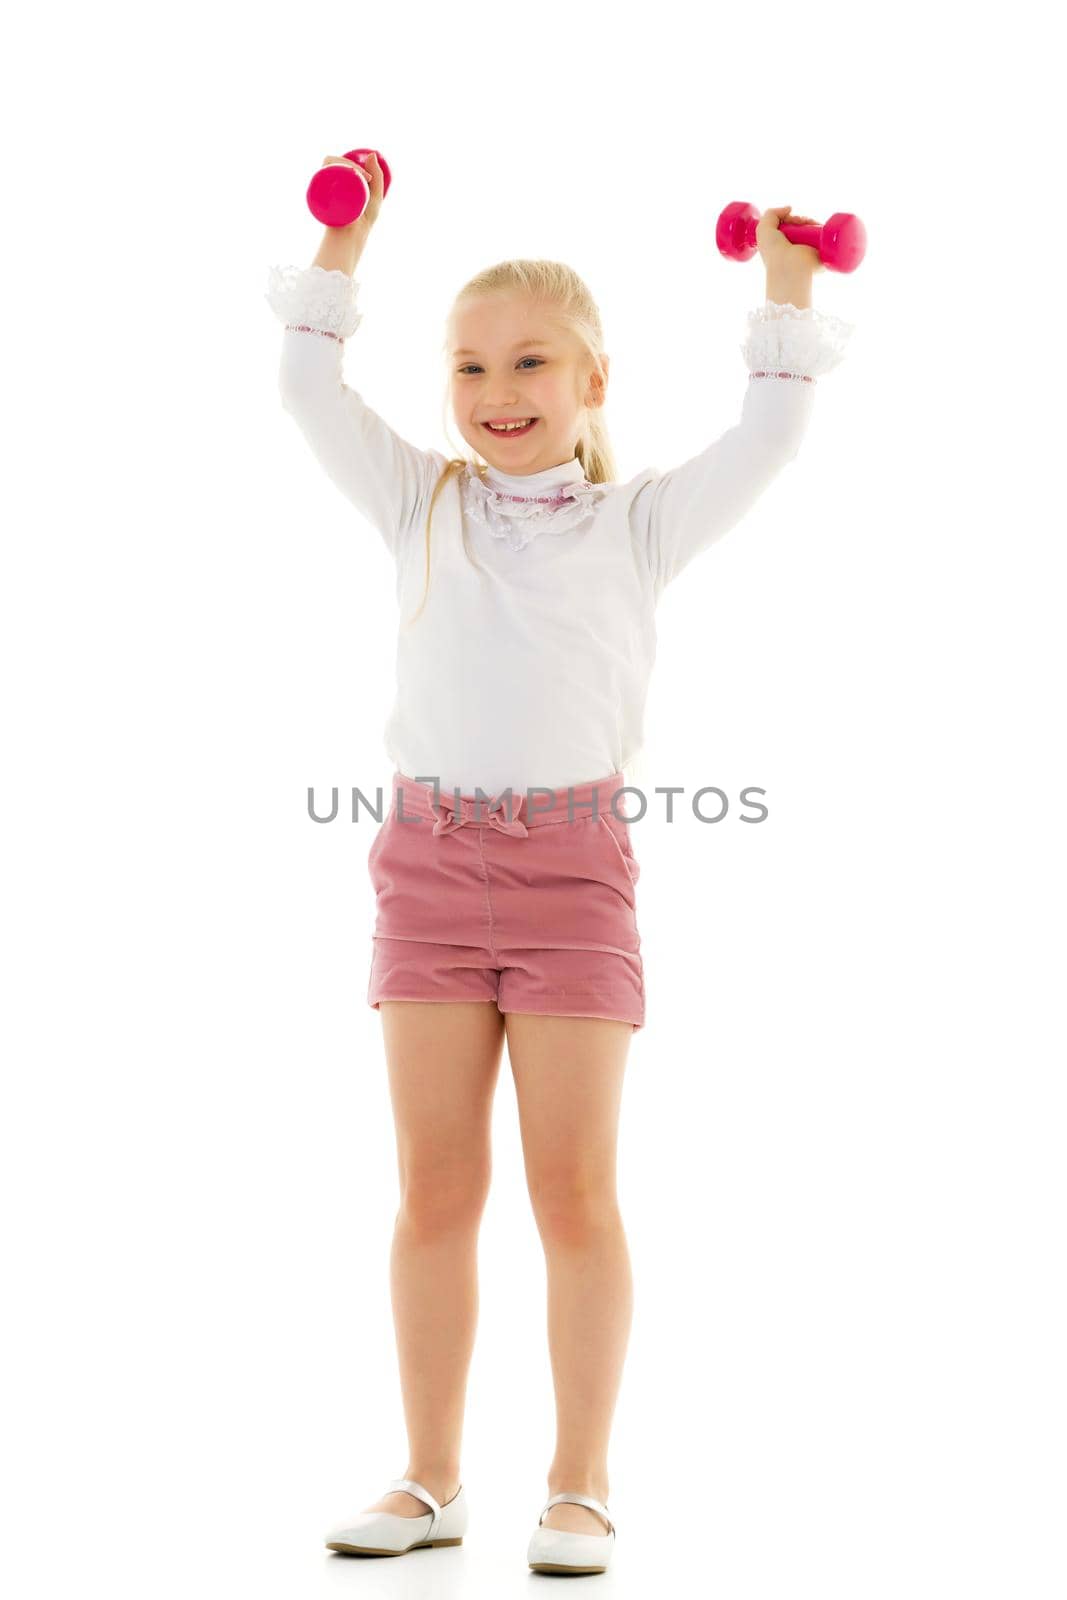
(560, 290)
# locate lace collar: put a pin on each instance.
(517, 508)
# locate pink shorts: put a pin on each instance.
(532, 907)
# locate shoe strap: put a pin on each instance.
(579, 1500)
(420, 1493)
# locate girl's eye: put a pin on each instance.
(536, 359)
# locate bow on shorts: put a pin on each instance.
(482, 811)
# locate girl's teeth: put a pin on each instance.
(511, 428)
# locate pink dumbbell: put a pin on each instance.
(841, 242)
(338, 195)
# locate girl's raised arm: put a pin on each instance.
(677, 514)
(387, 479)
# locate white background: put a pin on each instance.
(841, 1154)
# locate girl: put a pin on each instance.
(504, 875)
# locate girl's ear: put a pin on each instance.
(598, 382)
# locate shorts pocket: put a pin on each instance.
(618, 830)
(377, 842)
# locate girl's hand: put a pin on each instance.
(776, 249)
(373, 174)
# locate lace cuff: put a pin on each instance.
(313, 299)
(785, 341)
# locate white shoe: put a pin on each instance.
(383, 1533)
(556, 1550)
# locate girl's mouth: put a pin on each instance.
(511, 433)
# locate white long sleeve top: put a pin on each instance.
(530, 663)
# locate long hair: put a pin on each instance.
(560, 290)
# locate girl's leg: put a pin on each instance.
(568, 1077)
(443, 1060)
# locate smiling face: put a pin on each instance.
(511, 360)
